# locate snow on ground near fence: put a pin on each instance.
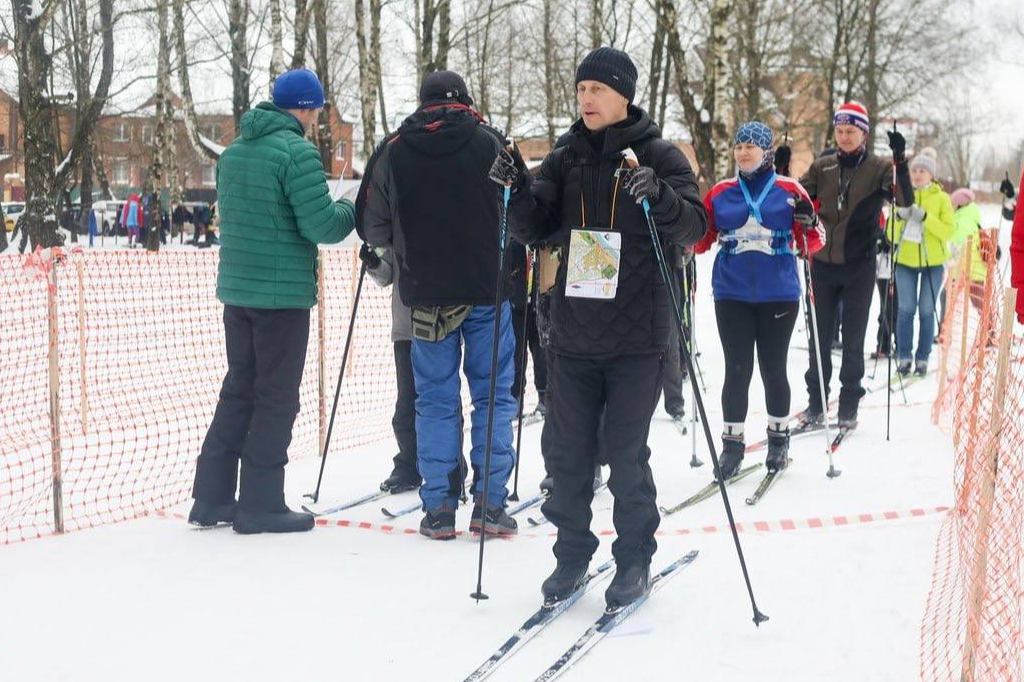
(152, 599)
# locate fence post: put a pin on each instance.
(989, 471)
(54, 380)
(321, 316)
(83, 386)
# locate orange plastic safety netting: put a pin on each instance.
(138, 363)
(972, 624)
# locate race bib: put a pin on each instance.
(592, 270)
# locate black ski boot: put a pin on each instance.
(563, 581)
(676, 408)
(497, 522)
(920, 368)
(778, 450)
(732, 456)
(903, 367)
(439, 523)
(598, 477)
(398, 482)
(813, 415)
(208, 514)
(848, 416)
(629, 584)
(287, 521)
(547, 485)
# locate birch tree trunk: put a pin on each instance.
(238, 23)
(185, 85)
(155, 178)
(367, 81)
(719, 93)
(277, 65)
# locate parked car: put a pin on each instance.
(12, 212)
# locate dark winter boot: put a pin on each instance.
(497, 522)
(903, 367)
(778, 450)
(547, 485)
(563, 581)
(598, 477)
(287, 521)
(731, 457)
(439, 523)
(676, 408)
(920, 368)
(629, 584)
(208, 515)
(398, 482)
(813, 415)
(848, 416)
(542, 408)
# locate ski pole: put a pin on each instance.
(811, 306)
(514, 497)
(479, 594)
(695, 461)
(315, 495)
(659, 255)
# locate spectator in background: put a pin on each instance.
(133, 218)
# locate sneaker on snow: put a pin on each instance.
(778, 451)
(731, 457)
(598, 478)
(903, 367)
(629, 584)
(439, 523)
(208, 514)
(287, 521)
(563, 581)
(399, 483)
(920, 368)
(497, 522)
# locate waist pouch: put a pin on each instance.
(435, 323)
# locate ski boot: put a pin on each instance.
(497, 522)
(563, 581)
(286, 521)
(813, 415)
(848, 416)
(903, 367)
(920, 368)
(439, 523)
(731, 457)
(778, 450)
(208, 514)
(629, 584)
(398, 482)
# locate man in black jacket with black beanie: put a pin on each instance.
(610, 312)
(429, 199)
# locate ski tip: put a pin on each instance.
(386, 512)
(534, 522)
(306, 509)
(751, 501)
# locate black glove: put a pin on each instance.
(369, 256)
(503, 170)
(884, 246)
(803, 213)
(1006, 187)
(783, 155)
(642, 183)
(1008, 210)
(898, 145)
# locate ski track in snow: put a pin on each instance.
(153, 599)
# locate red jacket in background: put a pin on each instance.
(1017, 254)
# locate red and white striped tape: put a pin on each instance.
(813, 523)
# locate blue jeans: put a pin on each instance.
(438, 408)
(912, 299)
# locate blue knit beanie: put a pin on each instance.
(298, 89)
(755, 133)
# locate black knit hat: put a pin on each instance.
(440, 86)
(612, 67)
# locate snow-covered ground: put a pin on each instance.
(153, 599)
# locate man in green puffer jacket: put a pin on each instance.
(275, 208)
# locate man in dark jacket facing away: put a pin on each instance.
(851, 187)
(607, 343)
(429, 198)
(275, 209)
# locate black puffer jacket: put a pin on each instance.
(576, 178)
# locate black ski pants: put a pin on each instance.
(768, 327)
(403, 422)
(625, 389)
(886, 315)
(259, 400)
(540, 365)
(852, 284)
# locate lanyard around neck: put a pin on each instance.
(755, 206)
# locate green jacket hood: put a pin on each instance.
(266, 119)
